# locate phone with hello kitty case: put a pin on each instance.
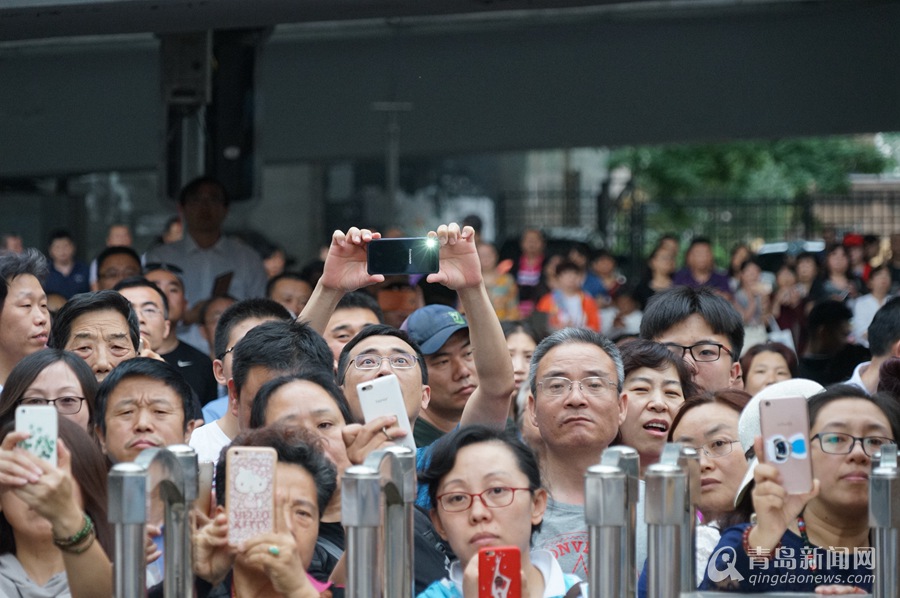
(784, 424)
(499, 572)
(250, 492)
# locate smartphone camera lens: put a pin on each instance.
(780, 449)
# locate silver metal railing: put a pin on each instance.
(884, 519)
(380, 557)
(169, 475)
(672, 489)
(610, 510)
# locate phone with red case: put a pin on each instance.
(499, 572)
(784, 423)
(250, 492)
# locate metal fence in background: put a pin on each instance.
(630, 226)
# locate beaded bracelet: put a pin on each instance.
(757, 552)
(83, 533)
(81, 547)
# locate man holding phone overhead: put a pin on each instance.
(346, 269)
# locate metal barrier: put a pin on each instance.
(610, 510)
(884, 519)
(672, 489)
(170, 475)
(371, 572)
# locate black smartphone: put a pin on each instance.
(416, 255)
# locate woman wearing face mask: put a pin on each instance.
(795, 537)
(486, 488)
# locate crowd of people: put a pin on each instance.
(515, 376)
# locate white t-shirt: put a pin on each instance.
(208, 440)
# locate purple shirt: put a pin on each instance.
(718, 280)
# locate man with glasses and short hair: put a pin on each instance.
(115, 264)
(576, 404)
(194, 365)
(155, 317)
(702, 327)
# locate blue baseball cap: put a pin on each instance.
(432, 325)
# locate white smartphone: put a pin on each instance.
(382, 396)
(41, 422)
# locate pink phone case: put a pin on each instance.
(250, 495)
(784, 423)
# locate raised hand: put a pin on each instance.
(213, 557)
(775, 509)
(460, 266)
(362, 439)
(345, 264)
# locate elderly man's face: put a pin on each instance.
(141, 412)
(102, 339)
(577, 418)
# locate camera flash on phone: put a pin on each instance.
(430, 242)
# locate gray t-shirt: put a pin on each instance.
(14, 581)
(564, 533)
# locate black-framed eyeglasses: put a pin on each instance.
(838, 443)
(493, 498)
(163, 266)
(124, 273)
(371, 361)
(717, 448)
(221, 356)
(560, 386)
(701, 352)
(64, 405)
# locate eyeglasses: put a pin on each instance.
(64, 405)
(163, 266)
(717, 448)
(701, 352)
(126, 273)
(593, 386)
(838, 443)
(493, 498)
(150, 311)
(221, 356)
(398, 361)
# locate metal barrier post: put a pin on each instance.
(173, 472)
(884, 518)
(179, 552)
(629, 461)
(128, 513)
(688, 460)
(390, 472)
(663, 511)
(604, 512)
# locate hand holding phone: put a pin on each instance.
(499, 572)
(383, 396)
(41, 422)
(784, 423)
(415, 255)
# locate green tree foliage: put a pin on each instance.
(782, 169)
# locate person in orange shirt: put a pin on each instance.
(567, 306)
